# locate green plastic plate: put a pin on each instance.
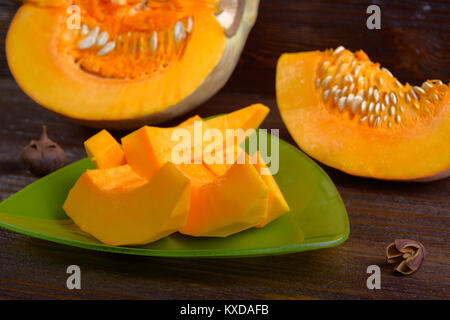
(317, 219)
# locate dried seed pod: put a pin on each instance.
(43, 156)
(407, 254)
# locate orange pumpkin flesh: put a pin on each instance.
(277, 205)
(347, 112)
(104, 151)
(167, 57)
(119, 207)
(226, 196)
(148, 148)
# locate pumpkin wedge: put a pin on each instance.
(127, 63)
(119, 207)
(351, 114)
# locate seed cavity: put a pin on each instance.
(87, 42)
(90, 40)
(361, 86)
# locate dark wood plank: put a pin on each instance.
(414, 43)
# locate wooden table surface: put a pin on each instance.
(413, 43)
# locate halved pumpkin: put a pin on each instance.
(119, 207)
(129, 62)
(347, 112)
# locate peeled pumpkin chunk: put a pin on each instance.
(351, 114)
(229, 204)
(226, 197)
(277, 205)
(148, 148)
(220, 206)
(104, 151)
(119, 207)
(128, 63)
